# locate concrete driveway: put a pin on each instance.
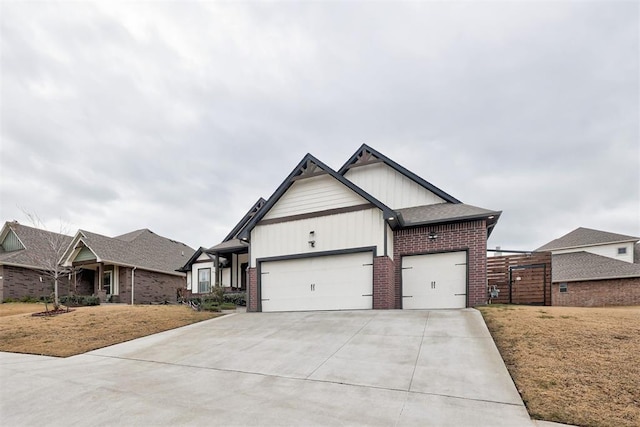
(375, 368)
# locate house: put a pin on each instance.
(136, 268)
(372, 235)
(26, 254)
(594, 268)
(231, 257)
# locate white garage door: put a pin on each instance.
(434, 281)
(335, 282)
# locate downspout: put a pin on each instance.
(133, 275)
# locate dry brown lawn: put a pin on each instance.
(86, 328)
(572, 365)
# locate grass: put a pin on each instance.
(571, 365)
(86, 328)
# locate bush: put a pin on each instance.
(29, 298)
(79, 300)
(236, 298)
(210, 306)
(227, 306)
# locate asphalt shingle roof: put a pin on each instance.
(442, 212)
(582, 265)
(586, 237)
(36, 242)
(141, 248)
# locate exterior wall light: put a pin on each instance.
(312, 239)
(432, 235)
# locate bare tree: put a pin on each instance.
(48, 258)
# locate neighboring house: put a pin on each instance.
(232, 257)
(25, 255)
(134, 268)
(594, 268)
(372, 235)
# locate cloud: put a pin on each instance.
(177, 117)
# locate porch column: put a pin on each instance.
(217, 265)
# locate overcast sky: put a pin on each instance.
(177, 116)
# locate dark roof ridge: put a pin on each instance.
(282, 188)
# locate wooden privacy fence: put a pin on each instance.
(521, 278)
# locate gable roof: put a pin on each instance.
(187, 266)
(38, 252)
(309, 166)
(582, 266)
(582, 237)
(366, 155)
(446, 213)
(141, 249)
(245, 220)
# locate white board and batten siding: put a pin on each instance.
(434, 281)
(391, 187)
(312, 195)
(333, 282)
(358, 229)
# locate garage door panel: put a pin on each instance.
(434, 280)
(334, 282)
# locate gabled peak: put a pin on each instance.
(308, 168)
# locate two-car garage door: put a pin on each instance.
(333, 282)
(434, 281)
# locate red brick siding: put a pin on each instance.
(383, 286)
(471, 236)
(598, 293)
(18, 282)
(252, 291)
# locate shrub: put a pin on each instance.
(210, 306)
(236, 298)
(10, 300)
(79, 300)
(29, 298)
(92, 300)
(227, 306)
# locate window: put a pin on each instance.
(107, 282)
(622, 251)
(204, 280)
(563, 287)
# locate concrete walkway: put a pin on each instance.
(375, 368)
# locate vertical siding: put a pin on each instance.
(85, 254)
(391, 187)
(332, 232)
(11, 242)
(313, 195)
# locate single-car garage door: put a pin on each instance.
(334, 282)
(434, 281)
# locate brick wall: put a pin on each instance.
(18, 282)
(252, 291)
(383, 283)
(149, 286)
(598, 293)
(471, 236)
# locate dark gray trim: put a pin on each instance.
(259, 261)
(327, 212)
(435, 190)
(246, 231)
(468, 218)
(245, 219)
(465, 250)
(187, 267)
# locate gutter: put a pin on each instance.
(133, 275)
